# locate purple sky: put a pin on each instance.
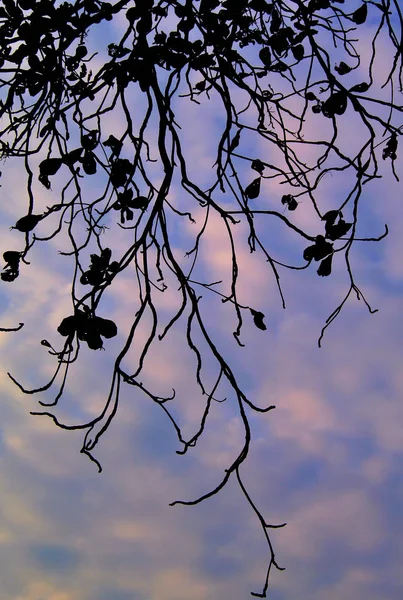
(328, 460)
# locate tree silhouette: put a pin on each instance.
(283, 76)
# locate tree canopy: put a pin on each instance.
(282, 76)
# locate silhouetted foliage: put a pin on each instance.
(298, 66)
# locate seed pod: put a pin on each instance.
(28, 223)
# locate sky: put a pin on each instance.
(327, 460)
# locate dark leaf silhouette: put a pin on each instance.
(338, 230)
(298, 52)
(258, 319)
(342, 68)
(140, 202)
(319, 250)
(309, 253)
(330, 217)
(235, 141)
(279, 67)
(89, 328)
(391, 148)
(360, 15)
(101, 270)
(253, 189)
(114, 144)
(360, 87)
(50, 166)
(106, 327)
(68, 326)
(12, 257)
(258, 166)
(336, 104)
(289, 201)
(73, 157)
(11, 270)
(44, 179)
(89, 141)
(89, 163)
(325, 267)
(265, 56)
(334, 230)
(120, 170)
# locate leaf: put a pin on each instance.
(235, 141)
(133, 13)
(258, 166)
(330, 217)
(275, 20)
(319, 250)
(106, 327)
(279, 67)
(89, 141)
(92, 277)
(298, 52)
(318, 4)
(81, 51)
(50, 166)
(336, 104)
(44, 179)
(114, 144)
(129, 215)
(93, 340)
(89, 163)
(106, 255)
(11, 270)
(68, 326)
(342, 68)
(391, 147)
(260, 5)
(9, 275)
(325, 267)
(27, 4)
(139, 202)
(322, 248)
(258, 319)
(73, 156)
(253, 189)
(290, 201)
(309, 253)
(360, 15)
(12, 257)
(265, 56)
(338, 230)
(360, 87)
(292, 205)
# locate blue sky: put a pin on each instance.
(328, 460)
